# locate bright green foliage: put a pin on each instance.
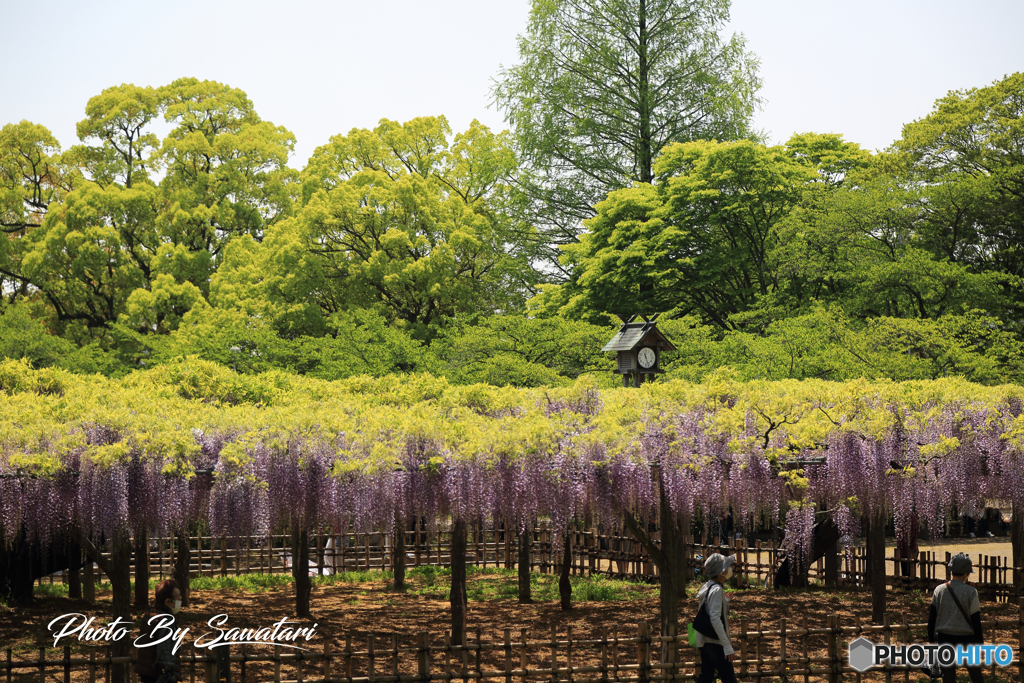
(826, 344)
(356, 343)
(278, 281)
(861, 246)
(226, 169)
(117, 117)
(23, 336)
(969, 154)
(603, 85)
(523, 352)
(406, 223)
(155, 411)
(92, 252)
(700, 241)
(831, 157)
(32, 177)
(120, 246)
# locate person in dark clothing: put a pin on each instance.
(955, 615)
(159, 663)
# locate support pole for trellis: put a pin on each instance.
(833, 651)
(422, 656)
(1020, 640)
(643, 651)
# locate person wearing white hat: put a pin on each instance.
(716, 654)
(955, 614)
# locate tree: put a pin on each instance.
(867, 246)
(32, 177)
(226, 168)
(968, 155)
(521, 351)
(604, 85)
(401, 220)
(701, 241)
(128, 229)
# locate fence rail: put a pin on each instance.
(785, 653)
(594, 552)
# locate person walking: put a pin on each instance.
(716, 654)
(159, 663)
(955, 615)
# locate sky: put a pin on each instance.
(320, 68)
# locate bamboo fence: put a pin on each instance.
(792, 652)
(594, 552)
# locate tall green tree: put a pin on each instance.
(967, 155)
(33, 176)
(604, 85)
(127, 228)
(700, 241)
(404, 220)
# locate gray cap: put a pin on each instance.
(716, 564)
(961, 564)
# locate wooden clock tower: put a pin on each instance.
(638, 346)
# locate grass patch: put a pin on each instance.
(248, 583)
(50, 590)
(483, 584)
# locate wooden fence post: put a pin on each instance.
(554, 654)
(743, 646)
(782, 648)
(833, 651)
(1020, 640)
(643, 653)
(423, 656)
(887, 626)
(508, 648)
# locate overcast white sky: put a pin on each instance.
(861, 68)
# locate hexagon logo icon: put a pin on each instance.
(862, 654)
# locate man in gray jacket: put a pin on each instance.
(716, 654)
(955, 614)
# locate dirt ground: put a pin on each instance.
(357, 613)
(992, 547)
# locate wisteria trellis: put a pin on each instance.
(363, 453)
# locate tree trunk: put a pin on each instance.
(1017, 538)
(118, 570)
(646, 149)
(120, 576)
(564, 585)
(183, 566)
(300, 571)
(142, 568)
(832, 565)
(22, 577)
(670, 559)
(458, 598)
(672, 575)
(826, 537)
(875, 537)
(74, 570)
(399, 554)
(89, 581)
(523, 568)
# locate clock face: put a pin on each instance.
(646, 357)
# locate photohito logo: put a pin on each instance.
(865, 654)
